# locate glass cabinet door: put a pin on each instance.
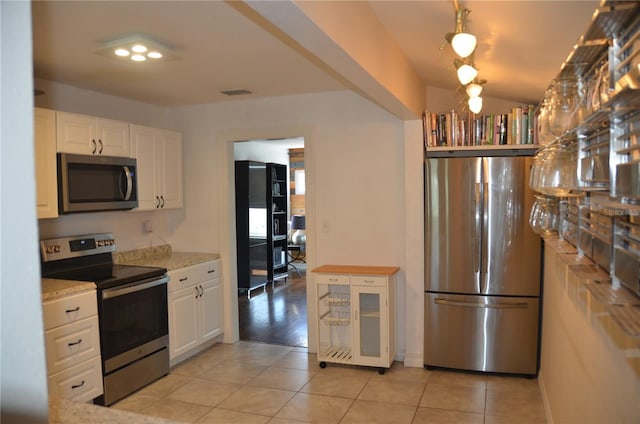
(370, 324)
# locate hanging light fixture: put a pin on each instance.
(464, 45)
(475, 104)
(474, 90)
(466, 74)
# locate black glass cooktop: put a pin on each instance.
(105, 275)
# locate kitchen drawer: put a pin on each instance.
(368, 280)
(69, 309)
(71, 344)
(195, 274)
(80, 383)
(332, 279)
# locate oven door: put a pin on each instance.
(133, 322)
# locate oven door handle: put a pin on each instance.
(142, 285)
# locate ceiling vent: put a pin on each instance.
(235, 92)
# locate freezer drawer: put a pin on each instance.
(481, 333)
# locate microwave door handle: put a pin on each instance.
(129, 190)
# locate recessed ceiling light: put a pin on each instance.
(137, 48)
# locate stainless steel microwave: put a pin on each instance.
(96, 183)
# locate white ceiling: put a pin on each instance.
(521, 47)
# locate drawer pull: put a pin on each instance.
(333, 279)
(75, 386)
(74, 343)
(211, 271)
(76, 309)
(183, 279)
(369, 281)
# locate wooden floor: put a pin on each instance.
(276, 315)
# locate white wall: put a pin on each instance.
(440, 100)
(262, 151)
(354, 173)
(23, 384)
(68, 98)
(590, 369)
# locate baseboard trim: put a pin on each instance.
(545, 399)
(413, 360)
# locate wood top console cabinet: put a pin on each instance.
(356, 315)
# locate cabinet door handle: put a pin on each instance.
(101, 146)
(95, 147)
(162, 204)
(211, 271)
(197, 292)
(76, 309)
(74, 343)
(183, 279)
(201, 291)
(157, 202)
(75, 386)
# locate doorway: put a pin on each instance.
(274, 310)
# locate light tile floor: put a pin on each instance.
(260, 383)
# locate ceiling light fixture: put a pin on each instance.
(136, 48)
(474, 90)
(466, 74)
(475, 104)
(464, 45)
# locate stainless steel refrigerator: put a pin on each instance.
(482, 265)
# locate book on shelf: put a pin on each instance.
(452, 129)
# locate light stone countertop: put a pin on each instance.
(53, 289)
(70, 412)
(162, 257)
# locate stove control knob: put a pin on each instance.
(100, 243)
(57, 249)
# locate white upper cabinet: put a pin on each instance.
(88, 135)
(45, 163)
(159, 165)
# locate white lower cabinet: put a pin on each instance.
(195, 308)
(74, 367)
(356, 315)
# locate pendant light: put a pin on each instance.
(463, 44)
(474, 90)
(466, 74)
(475, 104)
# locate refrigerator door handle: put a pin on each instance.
(484, 254)
(504, 305)
(477, 234)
